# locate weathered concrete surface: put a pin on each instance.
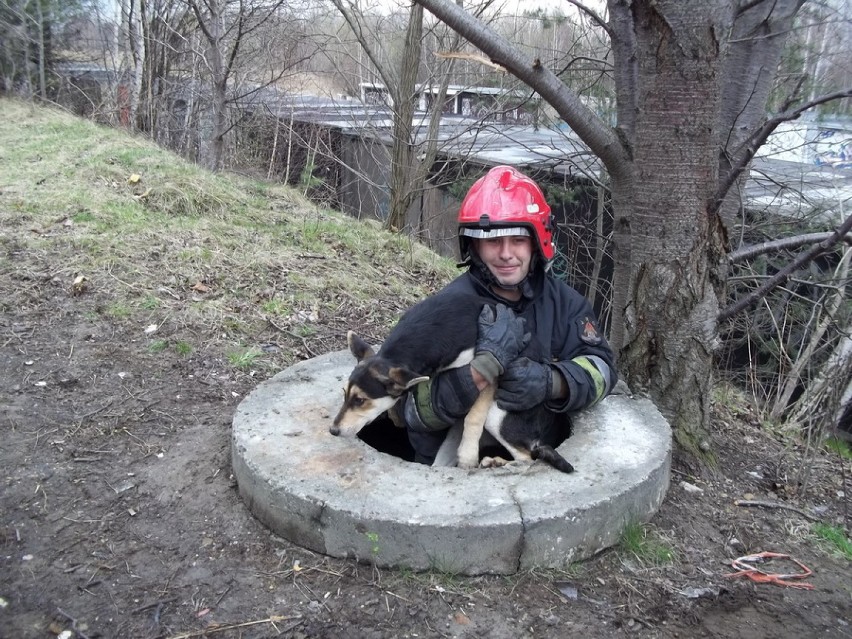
(343, 498)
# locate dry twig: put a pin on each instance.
(774, 504)
(209, 631)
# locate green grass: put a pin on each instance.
(839, 446)
(641, 542)
(149, 302)
(158, 346)
(119, 310)
(276, 307)
(834, 539)
(244, 359)
(183, 348)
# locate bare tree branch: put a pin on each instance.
(786, 243)
(473, 57)
(597, 19)
(782, 275)
(388, 74)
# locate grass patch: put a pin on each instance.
(840, 447)
(119, 310)
(244, 359)
(834, 539)
(183, 348)
(149, 302)
(158, 346)
(644, 544)
(276, 307)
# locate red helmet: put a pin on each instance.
(506, 202)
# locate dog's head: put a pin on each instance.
(373, 387)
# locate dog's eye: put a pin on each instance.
(357, 402)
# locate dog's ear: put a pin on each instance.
(404, 379)
(359, 348)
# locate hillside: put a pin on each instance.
(143, 298)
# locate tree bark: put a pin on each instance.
(404, 104)
(675, 273)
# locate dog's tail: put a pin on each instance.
(548, 454)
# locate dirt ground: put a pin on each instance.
(120, 518)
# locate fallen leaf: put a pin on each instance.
(79, 285)
(461, 619)
(568, 590)
(201, 287)
(133, 179)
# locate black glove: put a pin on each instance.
(524, 385)
(501, 339)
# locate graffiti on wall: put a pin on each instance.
(833, 148)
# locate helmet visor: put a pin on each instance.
(482, 234)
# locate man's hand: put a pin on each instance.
(524, 385)
(501, 339)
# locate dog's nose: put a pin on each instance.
(334, 430)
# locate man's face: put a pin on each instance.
(508, 258)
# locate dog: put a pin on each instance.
(437, 334)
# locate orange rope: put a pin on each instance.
(746, 569)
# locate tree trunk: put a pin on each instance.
(403, 137)
(673, 276)
(137, 51)
(42, 53)
(750, 62)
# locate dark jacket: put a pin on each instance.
(557, 315)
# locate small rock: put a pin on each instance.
(696, 593)
(736, 545)
(691, 488)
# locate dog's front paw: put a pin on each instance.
(468, 454)
(467, 462)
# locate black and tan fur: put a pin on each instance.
(437, 334)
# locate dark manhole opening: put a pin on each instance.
(386, 437)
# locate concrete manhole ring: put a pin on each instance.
(343, 498)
